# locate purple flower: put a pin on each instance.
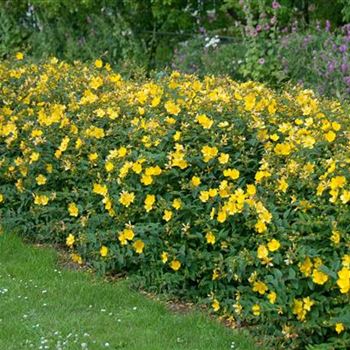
(275, 5)
(261, 60)
(328, 26)
(253, 33)
(331, 67)
(347, 81)
(344, 67)
(258, 28)
(342, 48)
(346, 29)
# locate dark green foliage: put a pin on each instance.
(141, 32)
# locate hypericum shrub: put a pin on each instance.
(223, 192)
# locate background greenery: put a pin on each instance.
(230, 37)
(144, 31)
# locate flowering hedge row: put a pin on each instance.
(223, 192)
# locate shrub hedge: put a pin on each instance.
(223, 192)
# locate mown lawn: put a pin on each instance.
(44, 306)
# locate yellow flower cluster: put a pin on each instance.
(237, 191)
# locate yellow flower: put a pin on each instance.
(19, 56)
(345, 197)
(222, 216)
(215, 305)
(70, 240)
(339, 327)
(122, 152)
(209, 153)
(92, 157)
(283, 149)
(260, 287)
(260, 226)
(137, 167)
(177, 203)
(249, 101)
(210, 237)
(177, 136)
(204, 121)
(346, 260)
(216, 274)
(40, 180)
(108, 203)
(223, 158)
(251, 190)
(77, 258)
(196, 181)
(100, 189)
(272, 296)
(213, 192)
(335, 237)
(153, 171)
(126, 198)
(260, 175)
(343, 281)
(129, 234)
(336, 126)
(149, 201)
(58, 154)
(126, 235)
(282, 185)
(262, 252)
(172, 108)
(204, 196)
(78, 143)
(175, 265)
(273, 245)
(256, 310)
(164, 256)
(307, 303)
(167, 215)
(1, 197)
(103, 251)
(274, 137)
(98, 63)
(138, 246)
(109, 166)
(330, 136)
(233, 174)
(299, 310)
(41, 199)
(319, 277)
(95, 132)
(34, 157)
(306, 267)
(96, 82)
(73, 209)
(337, 182)
(308, 141)
(146, 179)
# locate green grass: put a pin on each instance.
(43, 305)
